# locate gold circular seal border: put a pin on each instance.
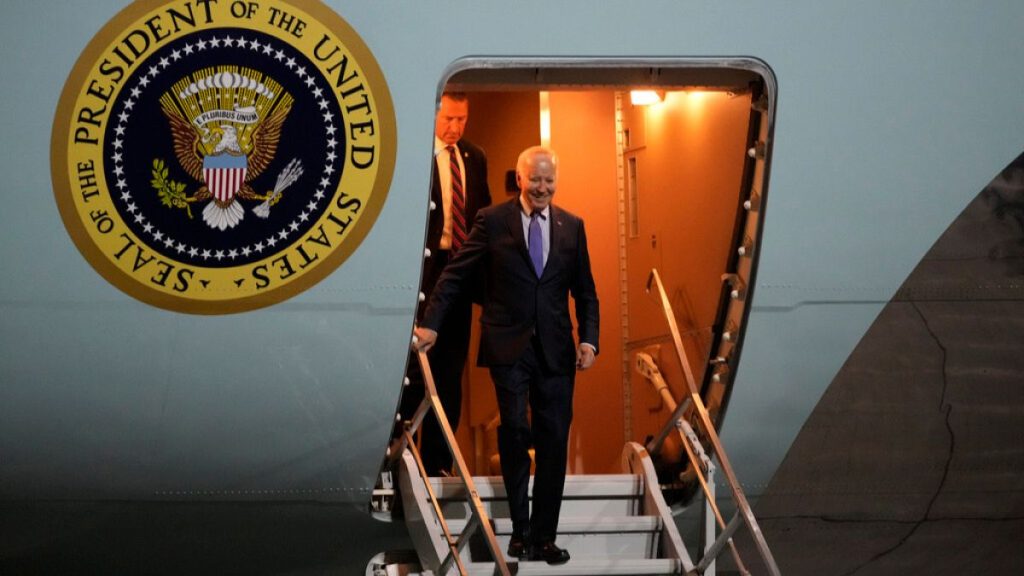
(64, 191)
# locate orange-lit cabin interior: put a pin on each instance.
(659, 186)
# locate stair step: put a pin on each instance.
(576, 486)
(587, 567)
(621, 538)
(598, 495)
(597, 525)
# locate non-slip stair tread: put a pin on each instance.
(588, 567)
(576, 486)
(587, 525)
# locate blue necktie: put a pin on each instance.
(536, 243)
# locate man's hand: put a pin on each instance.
(584, 356)
(423, 339)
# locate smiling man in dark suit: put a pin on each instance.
(532, 256)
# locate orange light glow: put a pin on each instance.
(645, 97)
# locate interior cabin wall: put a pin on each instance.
(689, 153)
(583, 135)
(503, 124)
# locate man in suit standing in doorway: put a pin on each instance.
(458, 190)
(532, 256)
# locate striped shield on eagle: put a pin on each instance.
(224, 174)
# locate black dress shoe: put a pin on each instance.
(549, 553)
(517, 547)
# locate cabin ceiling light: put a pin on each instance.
(646, 97)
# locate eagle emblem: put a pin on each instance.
(226, 125)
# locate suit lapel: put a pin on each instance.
(556, 231)
(514, 221)
(555, 234)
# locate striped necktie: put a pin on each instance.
(458, 201)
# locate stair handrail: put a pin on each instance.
(744, 511)
(647, 367)
(479, 518)
(636, 460)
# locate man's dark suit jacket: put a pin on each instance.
(516, 303)
(478, 195)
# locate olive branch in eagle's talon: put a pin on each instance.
(172, 193)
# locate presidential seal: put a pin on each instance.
(216, 156)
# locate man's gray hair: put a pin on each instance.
(527, 155)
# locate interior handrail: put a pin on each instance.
(650, 371)
(479, 518)
(743, 507)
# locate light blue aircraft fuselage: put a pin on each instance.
(888, 120)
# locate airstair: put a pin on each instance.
(610, 524)
(616, 524)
